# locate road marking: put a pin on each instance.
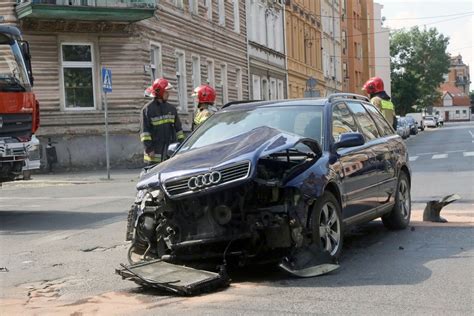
(472, 135)
(454, 151)
(413, 158)
(468, 154)
(426, 154)
(440, 156)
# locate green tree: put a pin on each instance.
(419, 61)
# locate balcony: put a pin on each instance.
(87, 10)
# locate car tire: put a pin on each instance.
(399, 217)
(326, 224)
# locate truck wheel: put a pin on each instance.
(399, 217)
(327, 226)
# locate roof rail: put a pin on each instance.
(239, 102)
(347, 96)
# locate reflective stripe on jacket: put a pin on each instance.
(160, 126)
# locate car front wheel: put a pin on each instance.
(399, 217)
(326, 222)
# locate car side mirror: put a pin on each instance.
(172, 149)
(350, 140)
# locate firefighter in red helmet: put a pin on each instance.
(375, 89)
(160, 124)
(206, 97)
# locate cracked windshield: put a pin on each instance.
(236, 157)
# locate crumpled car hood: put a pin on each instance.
(249, 146)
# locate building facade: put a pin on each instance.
(382, 49)
(454, 104)
(458, 75)
(303, 47)
(188, 42)
(359, 30)
(266, 49)
(332, 45)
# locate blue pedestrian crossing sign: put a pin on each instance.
(106, 80)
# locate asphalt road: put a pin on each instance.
(61, 237)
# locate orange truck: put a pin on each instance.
(19, 109)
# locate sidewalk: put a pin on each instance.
(83, 177)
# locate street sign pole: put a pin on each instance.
(107, 154)
(106, 87)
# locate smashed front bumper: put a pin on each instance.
(174, 278)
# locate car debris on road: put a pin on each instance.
(433, 208)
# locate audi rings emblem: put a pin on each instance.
(204, 180)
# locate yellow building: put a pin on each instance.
(303, 43)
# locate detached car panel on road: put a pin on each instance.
(272, 182)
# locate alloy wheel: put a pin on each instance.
(404, 199)
(330, 229)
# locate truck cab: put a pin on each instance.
(19, 109)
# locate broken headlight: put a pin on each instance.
(150, 198)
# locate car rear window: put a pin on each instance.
(382, 124)
(369, 129)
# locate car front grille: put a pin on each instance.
(229, 174)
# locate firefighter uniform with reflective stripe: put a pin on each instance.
(160, 126)
(386, 107)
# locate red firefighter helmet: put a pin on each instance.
(373, 85)
(158, 88)
(205, 94)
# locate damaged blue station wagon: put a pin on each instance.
(274, 181)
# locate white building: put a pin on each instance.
(455, 104)
(382, 48)
(331, 44)
(266, 47)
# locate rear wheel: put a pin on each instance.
(399, 217)
(326, 222)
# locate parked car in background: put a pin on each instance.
(418, 118)
(430, 121)
(412, 124)
(263, 181)
(403, 129)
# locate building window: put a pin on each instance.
(78, 75)
(238, 84)
(179, 3)
(210, 73)
(196, 71)
(257, 92)
(193, 6)
(222, 12)
(281, 90)
(265, 89)
(156, 64)
(209, 9)
(464, 111)
(344, 70)
(223, 84)
(181, 81)
(236, 16)
(273, 89)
